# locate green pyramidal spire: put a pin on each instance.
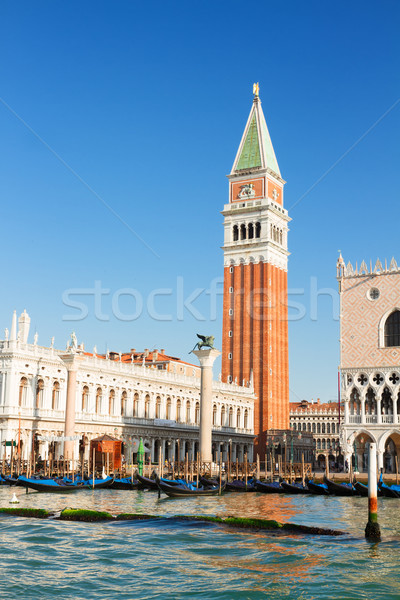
(256, 150)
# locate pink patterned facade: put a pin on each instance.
(370, 361)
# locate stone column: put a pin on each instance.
(379, 410)
(69, 426)
(363, 409)
(206, 358)
(346, 410)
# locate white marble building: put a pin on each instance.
(123, 399)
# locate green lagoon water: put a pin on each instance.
(171, 559)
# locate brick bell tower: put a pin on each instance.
(255, 326)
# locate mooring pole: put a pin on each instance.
(372, 530)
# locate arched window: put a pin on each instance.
(85, 398)
(197, 413)
(323, 444)
(111, 403)
(147, 407)
(238, 418)
(313, 427)
(178, 411)
(318, 427)
(55, 396)
(328, 428)
(158, 407)
(333, 428)
(99, 400)
(392, 329)
(323, 427)
(235, 233)
(188, 411)
(318, 444)
(214, 414)
(223, 415)
(39, 393)
(231, 417)
(309, 427)
(124, 398)
(135, 404)
(280, 236)
(246, 419)
(243, 231)
(294, 426)
(250, 231)
(23, 390)
(258, 230)
(169, 407)
(304, 426)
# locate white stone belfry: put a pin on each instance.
(206, 359)
(23, 327)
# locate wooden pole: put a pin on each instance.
(93, 463)
(245, 470)
(4, 458)
(186, 466)
(266, 467)
(191, 470)
(372, 530)
(327, 466)
(237, 467)
(397, 470)
(159, 461)
(197, 470)
(302, 468)
(229, 466)
(11, 458)
(220, 475)
(258, 467)
(272, 466)
(132, 470)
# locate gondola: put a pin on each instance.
(151, 484)
(319, 489)
(8, 480)
(125, 483)
(237, 485)
(340, 489)
(49, 485)
(146, 482)
(210, 482)
(184, 490)
(269, 488)
(294, 488)
(388, 491)
(87, 484)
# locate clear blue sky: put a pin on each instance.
(145, 103)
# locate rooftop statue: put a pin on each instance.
(207, 341)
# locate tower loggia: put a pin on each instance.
(255, 325)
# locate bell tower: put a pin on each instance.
(255, 326)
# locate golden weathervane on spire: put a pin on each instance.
(256, 89)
